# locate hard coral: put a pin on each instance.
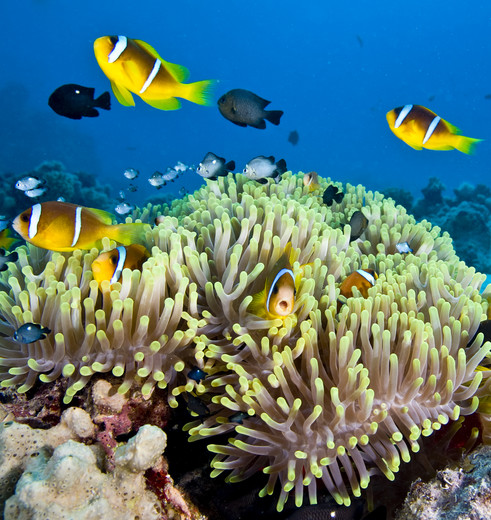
(325, 396)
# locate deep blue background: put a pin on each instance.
(335, 68)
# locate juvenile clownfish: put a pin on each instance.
(362, 279)
(61, 226)
(420, 128)
(277, 298)
(135, 66)
(311, 180)
(110, 265)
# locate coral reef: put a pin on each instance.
(323, 396)
(455, 493)
(75, 187)
(465, 217)
(58, 477)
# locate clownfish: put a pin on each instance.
(135, 66)
(110, 265)
(362, 279)
(277, 298)
(420, 128)
(61, 226)
(311, 180)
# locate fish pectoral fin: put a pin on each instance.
(258, 304)
(164, 104)
(123, 95)
(178, 72)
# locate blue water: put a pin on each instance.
(335, 68)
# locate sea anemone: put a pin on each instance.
(331, 393)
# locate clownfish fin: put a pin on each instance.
(123, 95)
(199, 92)
(258, 304)
(178, 72)
(466, 144)
(451, 128)
(163, 104)
(127, 234)
(104, 216)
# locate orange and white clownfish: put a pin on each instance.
(61, 226)
(362, 279)
(135, 66)
(277, 298)
(311, 180)
(419, 127)
(110, 265)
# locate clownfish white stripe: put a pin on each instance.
(151, 76)
(280, 273)
(120, 264)
(34, 221)
(431, 128)
(402, 115)
(118, 49)
(368, 277)
(78, 225)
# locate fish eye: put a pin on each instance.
(222, 99)
(275, 289)
(114, 39)
(24, 217)
(114, 260)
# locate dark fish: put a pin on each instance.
(487, 96)
(196, 374)
(261, 168)
(132, 188)
(196, 405)
(431, 98)
(360, 41)
(30, 332)
(485, 328)
(238, 417)
(75, 101)
(332, 194)
(243, 108)
(212, 167)
(293, 137)
(358, 223)
(12, 257)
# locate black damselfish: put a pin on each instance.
(243, 108)
(332, 194)
(76, 101)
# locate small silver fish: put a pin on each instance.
(403, 247)
(30, 332)
(261, 168)
(157, 180)
(131, 173)
(170, 175)
(28, 183)
(122, 195)
(181, 167)
(61, 199)
(12, 257)
(36, 192)
(212, 167)
(124, 208)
